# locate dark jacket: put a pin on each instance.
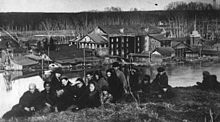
(56, 84)
(160, 82)
(67, 98)
(115, 86)
(30, 100)
(48, 97)
(27, 100)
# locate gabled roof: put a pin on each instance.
(21, 60)
(165, 51)
(174, 44)
(97, 38)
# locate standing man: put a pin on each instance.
(121, 76)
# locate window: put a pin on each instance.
(112, 40)
(122, 40)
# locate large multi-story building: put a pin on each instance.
(120, 40)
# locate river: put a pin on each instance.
(13, 85)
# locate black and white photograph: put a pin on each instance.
(109, 60)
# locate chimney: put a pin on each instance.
(121, 30)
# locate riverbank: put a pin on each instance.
(188, 104)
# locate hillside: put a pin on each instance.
(188, 105)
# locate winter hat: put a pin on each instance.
(115, 64)
(160, 69)
(206, 73)
(58, 70)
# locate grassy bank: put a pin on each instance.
(188, 105)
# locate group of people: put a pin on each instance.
(209, 82)
(60, 94)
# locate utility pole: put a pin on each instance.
(84, 62)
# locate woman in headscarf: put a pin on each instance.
(91, 98)
(115, 86)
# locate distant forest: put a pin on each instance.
(85, 21)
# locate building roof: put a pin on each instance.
(131, 29)
(4, 43)
(97, 38)
(21, 60)
(175, 44)
(36, 57)
(165, 51)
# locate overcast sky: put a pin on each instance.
(82, 5)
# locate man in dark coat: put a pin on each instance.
(205, 82)
(121, 76)
(28, 104)
(48, 98)
(65, 94)
(160, 83)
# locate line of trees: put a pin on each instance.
(179, 16)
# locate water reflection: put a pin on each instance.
(13, 85)
(9, 76)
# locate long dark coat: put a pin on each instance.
(67, 98)
(48, 97)
(115, 86)
(56, 84)
(160, 82)
(27, 100)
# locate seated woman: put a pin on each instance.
(79, 93)
(48, 98)
(115, 86)
(28, 104)
(91, 98)
(65, 95)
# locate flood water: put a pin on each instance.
(12, 85)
